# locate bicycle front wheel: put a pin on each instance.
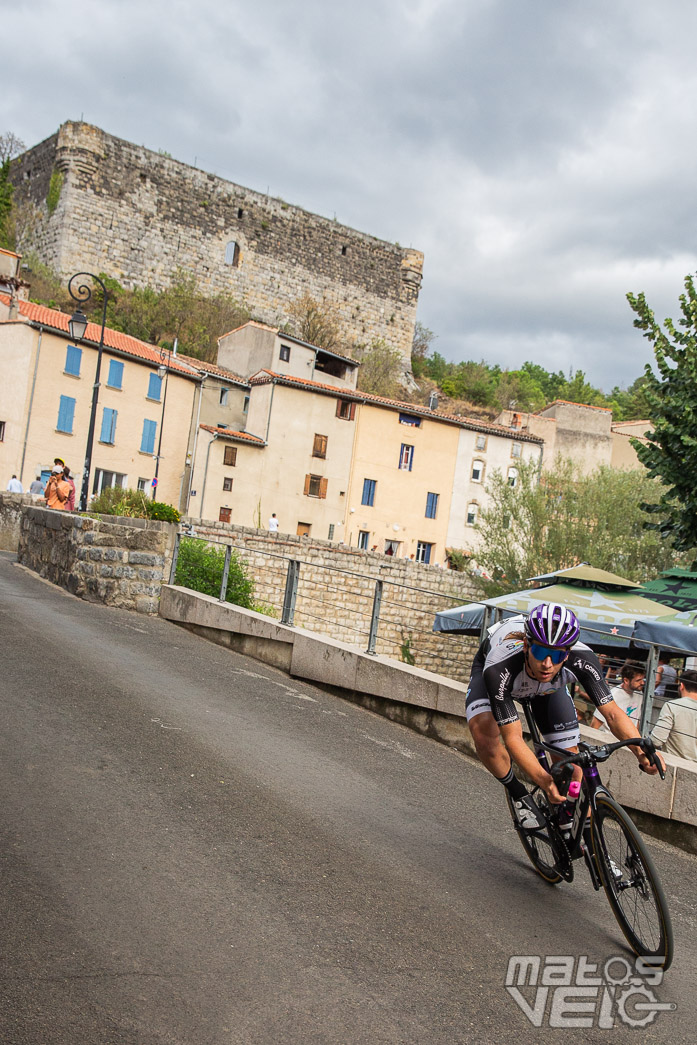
(538, 849)
(631, 882)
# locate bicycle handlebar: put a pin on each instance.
(588, 756)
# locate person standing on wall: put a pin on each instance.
(273, 523)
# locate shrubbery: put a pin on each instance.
(133, 504)
(200, 567)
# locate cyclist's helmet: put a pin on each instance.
(552, 625)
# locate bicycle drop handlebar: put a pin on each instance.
(588, 756)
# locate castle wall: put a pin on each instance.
(138, 215)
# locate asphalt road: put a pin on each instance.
(197, 849)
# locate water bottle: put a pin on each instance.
(568, 807)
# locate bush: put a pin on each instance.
(133, 504)
(200, 567)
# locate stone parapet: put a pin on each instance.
(119, 562)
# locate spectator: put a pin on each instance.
(665, 677)
(273, 523)
(628, 695)
(70, 502)
(36, 487)
(57, 489)
(14, 485)
(676, 729)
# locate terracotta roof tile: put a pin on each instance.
(213, 368)
(229, 433)
(58, 321)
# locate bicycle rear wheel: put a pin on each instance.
(538, 849)
(631, 882)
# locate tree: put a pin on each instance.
(565, 517)
(381, 369)
(420, 348)
(10, 146)
(316, 322)
(670, 454)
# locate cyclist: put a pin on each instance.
(536, 658)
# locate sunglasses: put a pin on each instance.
(542, 652)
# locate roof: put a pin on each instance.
(586, 576)
(214, 369)
(57, 321)
(229, 433)
(305, 384)
(567, 402)
(626, 424)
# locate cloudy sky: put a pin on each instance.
(539, 152)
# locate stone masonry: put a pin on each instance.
(137, 215)
(336, 588)
(120, 562)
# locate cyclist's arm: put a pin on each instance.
(512, 735)
(623, 728)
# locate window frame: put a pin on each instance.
(227, 483)
(480, 478)
(368, 496)
(154, 376)
(224, 515)
(363, 540)
(517, 451)
(109, 418)
(223, 397)
(153, 430)
(424, 550)
(345, 409)
(410, 420)
(319, 446)
(406, 457)
(66, 404)
(512, 478)
(284, 354)
(474, 520)
(70, 352)
(115, 364)
(230, 456)
(319, 482)
(432, 500)
(480, 443)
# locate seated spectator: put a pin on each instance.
(628, 695)
(666, 676)
(676, 729)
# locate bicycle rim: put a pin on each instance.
(539, 851)
(632, 886)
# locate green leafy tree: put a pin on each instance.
(670, 454)
(200, 567)
(563, 517)
(421, 348)
(381, 369)
(10, 146)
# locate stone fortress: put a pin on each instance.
(107, 205)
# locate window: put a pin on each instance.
(73, 358)
(66, 413)
(392, 547)
(512, 476)
(142, 485)
(345, 409)
(472, 513)
(108, 431)
(224, 394)
(230, 455)
(115, 377)
(330, 536)
(284, 354)
(477, 471)
(104, 480)
(224, 514)
(369, 492)
(319, 448)
(147, 442)
(423, 551)
(480, 442)
(363, 539)
(155, 387)
(517, 450)
(2, 431)
(406, 457)
(408, 419)
(232, 253)
(227, 483)
(245, 405)
(303, 529)
(431, 505)
(315, 486)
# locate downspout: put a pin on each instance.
(268, 422)
(349, 485)
(193, 449)
(314, 364)
(31, 401)
(205, 473)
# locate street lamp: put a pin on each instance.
(163, 371)
(78, 325)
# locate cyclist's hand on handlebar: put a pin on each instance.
(552, 792)
(651, 764)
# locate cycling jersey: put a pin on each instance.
(499, 678)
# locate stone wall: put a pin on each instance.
(137, 215)
(120, 562)
(336, 589)
(11, 505)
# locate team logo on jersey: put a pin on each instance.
(503, 683)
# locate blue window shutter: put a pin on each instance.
(66, 413)
(147, 443)
(108, 433)
(115, 379)
(73, 358)
(155, 387)
(368, 492)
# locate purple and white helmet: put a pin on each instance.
(552, 625)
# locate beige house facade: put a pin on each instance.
(145, 406)
(254, 346)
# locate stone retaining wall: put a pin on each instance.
(336, 588)
(11, 505)
(120, 562)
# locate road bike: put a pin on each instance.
(613, 850)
